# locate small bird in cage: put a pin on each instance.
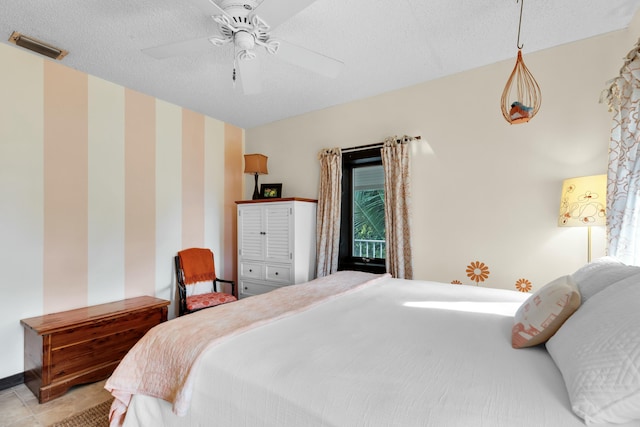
(519, 111)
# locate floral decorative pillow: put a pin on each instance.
(542, 314)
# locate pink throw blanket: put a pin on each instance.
(161, 364)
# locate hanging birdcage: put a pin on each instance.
(521, 98)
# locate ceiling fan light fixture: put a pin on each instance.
(37, 46)
(244, 40)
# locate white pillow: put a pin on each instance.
(600, 273)
(542, 314)
(598, 352)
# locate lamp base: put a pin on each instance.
(256, 193)
(589, 244)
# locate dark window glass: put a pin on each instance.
(362, 230)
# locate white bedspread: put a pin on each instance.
(163, 362)
(397, 353)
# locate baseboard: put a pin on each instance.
(11, 381)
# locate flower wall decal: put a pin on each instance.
(523, 285)
(478, 272)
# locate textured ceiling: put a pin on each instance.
(384, 44)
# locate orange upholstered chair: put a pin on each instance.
(197, 281)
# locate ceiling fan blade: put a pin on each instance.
(275, 12)
(249, 70)
(209, 7)
(181, 48)
(309, 59)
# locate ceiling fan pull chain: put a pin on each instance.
(233, 76)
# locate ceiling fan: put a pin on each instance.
(247, 24)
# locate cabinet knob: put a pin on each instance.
(250, 271)
(276, 273)
(246, 288)
(263, 233)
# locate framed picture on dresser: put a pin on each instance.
(270, 191)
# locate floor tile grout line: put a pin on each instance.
(30, 412)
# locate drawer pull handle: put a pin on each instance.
(263, 233)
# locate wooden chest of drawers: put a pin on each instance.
(84, 345)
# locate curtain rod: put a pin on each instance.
(377, 144)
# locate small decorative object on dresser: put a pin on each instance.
(276, 243)
(270, 191)
(84, 345)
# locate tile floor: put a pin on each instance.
(20, 408)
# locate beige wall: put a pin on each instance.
(483, 190)
(100, 186)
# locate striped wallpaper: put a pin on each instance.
(100, 186)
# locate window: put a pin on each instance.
(362, 229)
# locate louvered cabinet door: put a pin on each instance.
(250, 233)
(278, 236)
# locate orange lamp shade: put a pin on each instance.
(255, 164)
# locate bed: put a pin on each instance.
(368, 350)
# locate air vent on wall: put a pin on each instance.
(37, 46)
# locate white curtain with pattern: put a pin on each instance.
(623, 177)
(397, 205)
(328, 215)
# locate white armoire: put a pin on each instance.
(276, 243)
